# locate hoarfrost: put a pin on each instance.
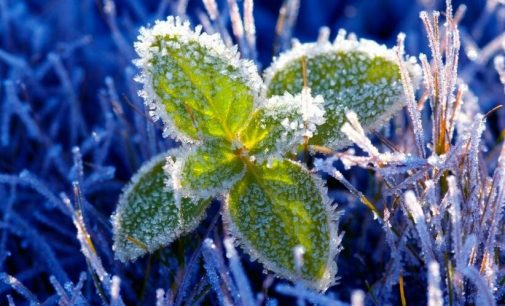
(282, 124)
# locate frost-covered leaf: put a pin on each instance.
(207, 170)
(359, 76)
(280, 212)
(193, 82)
(281, 124)
(148, 216)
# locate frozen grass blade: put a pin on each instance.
(288, 15)
(241, 281)
(212, 267)
(434, 290)
(19, 287)
(307, 295)
(415, 209)
(250, 29)
(484, 295)
(409, 92)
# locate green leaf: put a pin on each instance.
(194, 83)
(206, 171)
(275, 210)
(149, 216)
(359, 76)
(281, 124)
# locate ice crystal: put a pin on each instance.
(282, 123)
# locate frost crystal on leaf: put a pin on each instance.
(147, 217)
(205, 171)
(193, 82)
(312, 111)
(282, 123)
(274, 210)
(359, 76)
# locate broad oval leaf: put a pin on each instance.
(281, 124)
(193, 82)
(359, 76)
(149, 216)
(278, 209)
(207, 170)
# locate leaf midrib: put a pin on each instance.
(185, 70)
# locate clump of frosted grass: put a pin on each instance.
(440, 194)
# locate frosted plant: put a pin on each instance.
(237, 135)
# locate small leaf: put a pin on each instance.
(193, 82)
(279, 209)
(281, 124)
(359, 76)
(148, 216)
(207, 170)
